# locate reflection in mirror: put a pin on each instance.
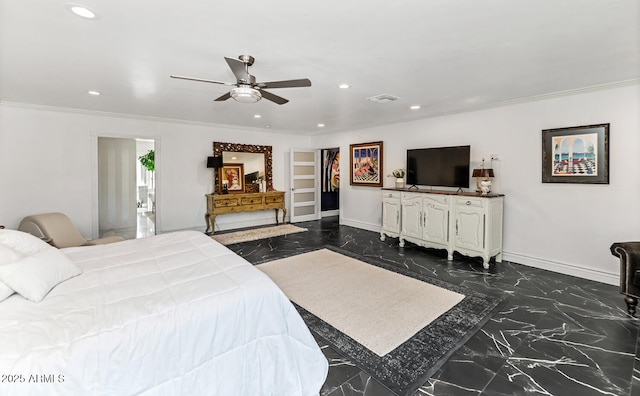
(256, 159)
(253, 164)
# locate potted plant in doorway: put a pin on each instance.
(149, 162)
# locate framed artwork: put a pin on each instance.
(576, 155)
(330, 175)
(365, 162)
(232, 175)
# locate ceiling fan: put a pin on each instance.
(247, 90)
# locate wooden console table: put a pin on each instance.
(218, 204)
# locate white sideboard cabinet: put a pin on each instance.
(467, 223)
(390, 214)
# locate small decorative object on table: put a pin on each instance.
(483, 179)
(252, 188)
(485, 186)
(399, 175)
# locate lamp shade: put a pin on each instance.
(483, 172)
(214, 162)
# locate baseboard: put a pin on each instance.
(329, 213)
(226, 226)
(563, 268)
(548, 265)
(360, 224)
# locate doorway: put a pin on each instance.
(304, 193)
(330, 182)
(126, 187)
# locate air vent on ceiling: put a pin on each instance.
(382, 98)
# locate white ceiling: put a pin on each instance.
(444, 55)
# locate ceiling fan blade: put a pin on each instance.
(201, 80)
(304, 82)
(239, 69)
(274, 98)
(224, 97)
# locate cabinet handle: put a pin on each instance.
(456, 227)
(468, 202)
(390, 195)
(448, 226)
(484, 230)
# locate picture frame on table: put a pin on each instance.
(232, 175)
(576, 154)
(365, 162)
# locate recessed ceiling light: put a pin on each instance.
(257, 116)
(320, 125)
(94, 93)
(344, 86)
(267, 126)
(82, 11)
(415, 107)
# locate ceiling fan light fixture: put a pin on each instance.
(245, 94)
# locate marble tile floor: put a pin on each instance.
(145, 227)
(556, 334)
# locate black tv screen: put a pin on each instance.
(439, 166)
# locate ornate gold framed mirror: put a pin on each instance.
(248, 155)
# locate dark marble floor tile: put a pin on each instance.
(555, 334)
(635, 381)
(341, 370)
(361, 385)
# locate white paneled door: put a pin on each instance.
(305, 202)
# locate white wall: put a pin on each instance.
(47, 160)
(46, 165)
(567, 228)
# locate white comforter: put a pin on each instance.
(175, 314)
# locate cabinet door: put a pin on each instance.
(391, 215)
(469, 228)
(411, 216)
(435, 221)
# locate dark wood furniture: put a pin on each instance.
(629, 255)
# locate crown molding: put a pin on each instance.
(98, 113)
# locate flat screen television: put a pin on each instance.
(439, 166)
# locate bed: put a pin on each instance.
(174, 314)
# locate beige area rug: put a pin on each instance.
(378, 308)
(257, 233)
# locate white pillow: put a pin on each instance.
(5, 291)
(22, 242)
(35, 275)
(8, 256)
(39, 268)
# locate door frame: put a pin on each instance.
(316, 185)
(95, 208)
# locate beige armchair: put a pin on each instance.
(61, 231)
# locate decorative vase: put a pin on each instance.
(400, 183)
(485, 186)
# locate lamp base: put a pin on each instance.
(485, 186)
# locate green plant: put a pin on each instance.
(398, 173)
(148, 160)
